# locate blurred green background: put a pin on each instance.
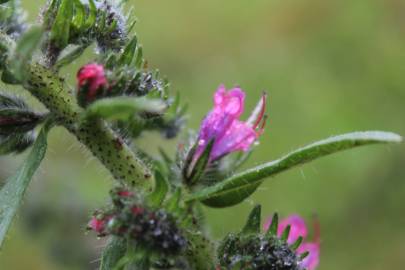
(329, 67)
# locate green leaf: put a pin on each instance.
(50, 13)
(129, 52)
(91, 19)
(139, 58)
(115, 250)
(79, 17)
(240, 186)
(13, 191)
(16, 143)
(70, 54)
(272, 230)
(253, 223)
(161, 188)
(286, 233)
(173, 204)
(198, 169)
(60, 31)
(199, 253)
(23, 52)
(123, 107)
(297, 243)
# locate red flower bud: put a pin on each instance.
(91, 79)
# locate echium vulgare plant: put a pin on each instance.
(153, 220)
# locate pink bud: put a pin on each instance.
(125, 193)
(97, 224)
(93, 77)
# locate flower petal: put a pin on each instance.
(298, 228)
(239, 137)
(312, 260)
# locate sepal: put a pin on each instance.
(253, 250)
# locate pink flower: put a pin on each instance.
(93, 77)
(223, 124)
(299, 228)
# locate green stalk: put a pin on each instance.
(94, 133)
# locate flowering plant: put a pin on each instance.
(153, 220)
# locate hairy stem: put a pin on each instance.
(94, 133)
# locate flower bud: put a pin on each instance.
(91, 83)
(152, 229)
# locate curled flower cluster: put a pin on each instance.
(257, 253)
(299, 229)
(156, 230)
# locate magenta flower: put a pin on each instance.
(223, 124)
(92, 76)
(299, 228)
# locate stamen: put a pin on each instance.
(260, 131)
(317, 229)
(258, 112)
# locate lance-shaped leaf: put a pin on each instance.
(197, 168)
(129, 52)
(16, 116)
(70, 54)
(114, 251)
(286, 233)
(173, 204)
(79, 16)
(294, 246)
(253, 223)
(199, 253)
(23, 52)
(272, 230)
(13, 191)
(60, 31)
(123, 107)
(16, 143)
(240, 186)
(91, 19)
(161, 188)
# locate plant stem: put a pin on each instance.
(94, 133)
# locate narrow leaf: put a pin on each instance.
(91, 19)
(70, 54)
(129, 52)
(139, 57)
(304, 255)
(161, 188)
(286, 233)
(240, 186)
(60, 31)
(16, 143)
(198, 169)
(173, 203)
(13, 191)
(272, 230)
(297, 243)
(253, 223)
(199, 253)
(124, 107)
(79, 17)
(115, 250)
(24, 51)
